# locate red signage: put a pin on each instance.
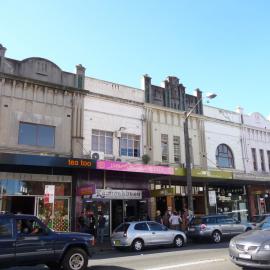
(89, 189)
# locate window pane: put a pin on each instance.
(102, 143)
(109, 145)
(141, 227)
(94, 131)
(45, 136)
(5, 228)
(95, 143)
(27, 134)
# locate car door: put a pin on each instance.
(237, 227)
(225, 224)
(142, 231)
(34, 242)
(7, 241)
(158, 235)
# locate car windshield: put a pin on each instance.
(122, 228)
(265, 225)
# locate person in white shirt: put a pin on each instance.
(175, 221)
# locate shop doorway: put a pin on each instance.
(161, 204)
(18, 204)
(117, 213)
(23, 204)
(95, 207)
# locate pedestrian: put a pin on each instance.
(82, 222)
(101, 227)
(190, 216)
(158, 218)
(92, 225)
(175, 221)
(166, 218)
(184, 218)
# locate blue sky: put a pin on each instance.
(219, 46)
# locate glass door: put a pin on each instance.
(54, 215)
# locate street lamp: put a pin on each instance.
(187, 150)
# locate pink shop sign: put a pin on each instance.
(127, 167)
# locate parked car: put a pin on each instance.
(257, 219)
(25, 240)
(137, 235)
(215, 227)
(252, 249)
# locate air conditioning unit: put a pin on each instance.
(97, 155)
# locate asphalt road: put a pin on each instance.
(205, 256)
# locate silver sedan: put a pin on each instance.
(252, 249)
(137, 235)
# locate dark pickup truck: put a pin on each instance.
(25, 240)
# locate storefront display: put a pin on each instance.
(116, 205)
(27, 197)
(229, 200)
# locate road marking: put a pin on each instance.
(186, 264)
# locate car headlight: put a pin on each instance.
(266, 246)
(232, 243)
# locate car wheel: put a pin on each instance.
(216, 237)
(178, 241)
(75, 259)
(248, 229)
(137, 245)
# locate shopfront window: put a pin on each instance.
(27, 197)
(231, 201)
(24, 187)
(224, 156)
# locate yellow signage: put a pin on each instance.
(162, 192)
(212, 174)
(205, 173)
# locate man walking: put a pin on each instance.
(101, 228)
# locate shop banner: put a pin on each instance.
(212, 197)
(89, 189)
(49, 194)
(128, 167)
(163, 192)
(221, 174)
(115, 194)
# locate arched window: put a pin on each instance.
(224, 156)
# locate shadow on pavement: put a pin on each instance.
(108, 267)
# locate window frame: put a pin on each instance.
(11, 231)
(176, 149)
(164, 147)
(268, 157)
(254, 159)
(130, 145)
(106, 136)
(262, 160)
(37, 133)
(224, 155)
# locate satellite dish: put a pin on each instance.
(95, 156)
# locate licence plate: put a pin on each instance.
(117, 242)
(191, 229)
(244, 256)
